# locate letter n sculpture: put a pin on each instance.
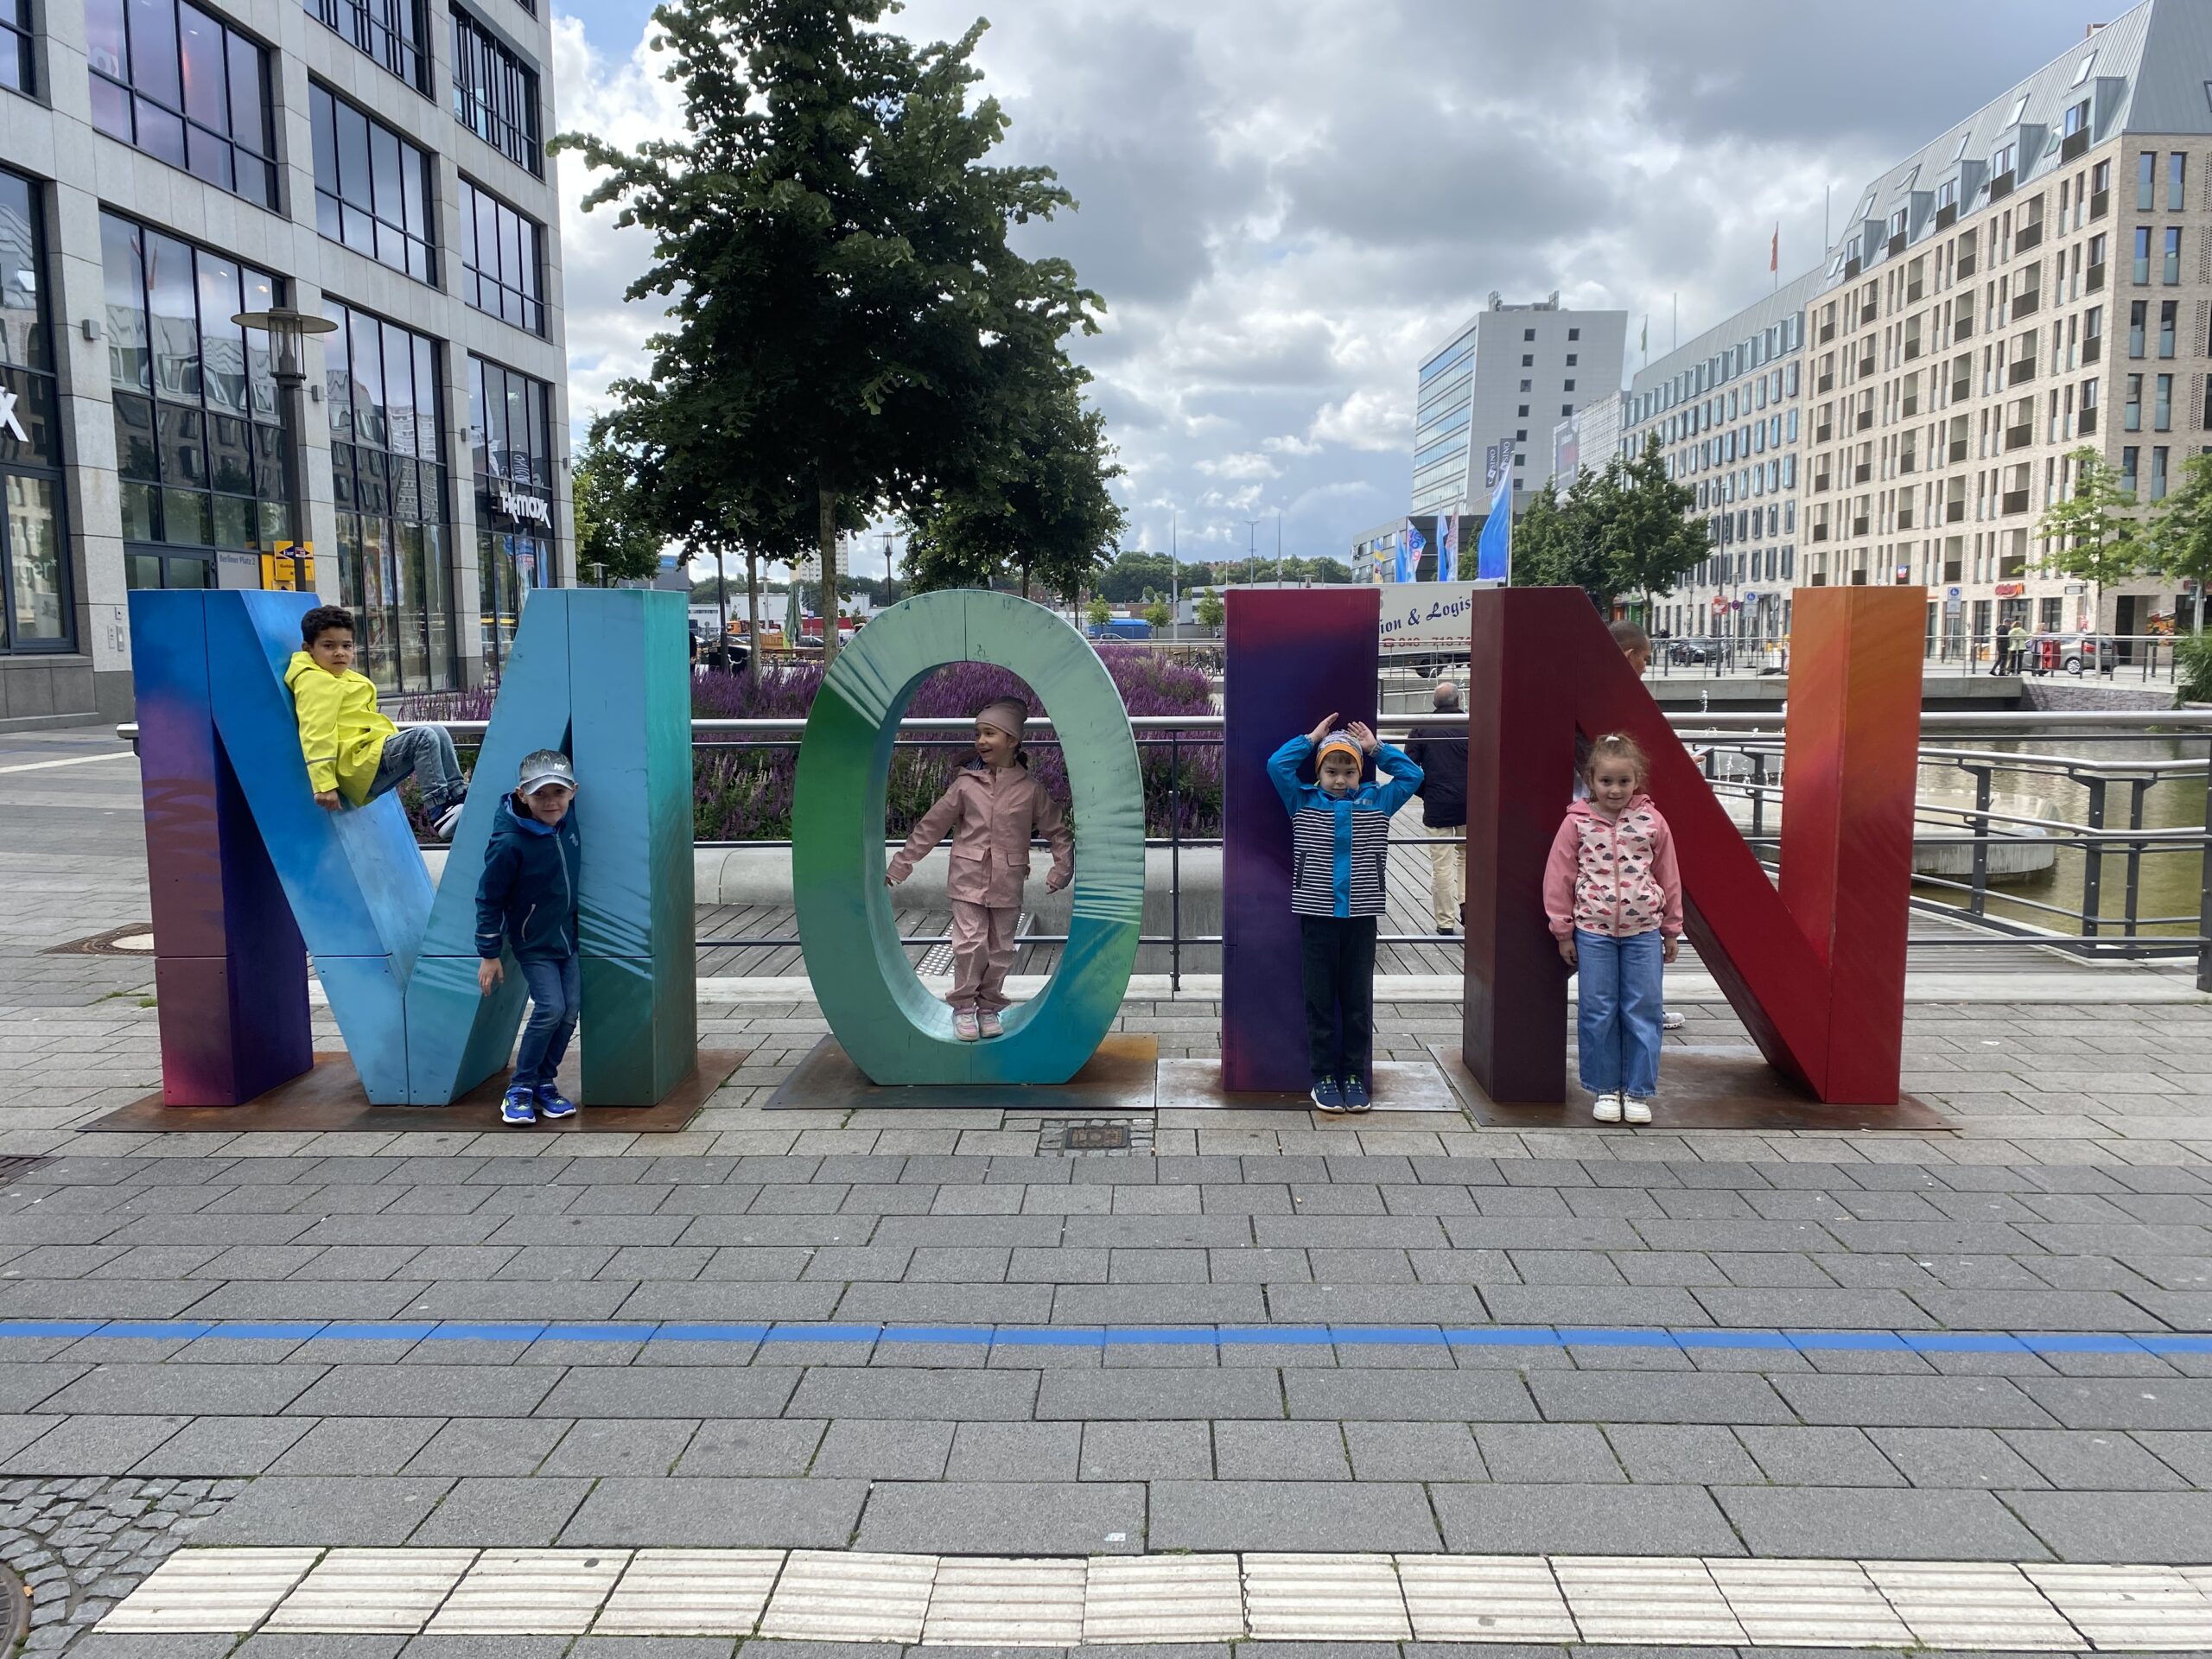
(248, 874)
(1814, 968)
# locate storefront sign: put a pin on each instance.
(7, 421)
(1426, 616)
(532, 507)
(2011, 589)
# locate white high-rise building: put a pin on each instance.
(1489, 397)
(166, 165)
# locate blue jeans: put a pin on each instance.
(1618, 1028)
(555, 995)
(426, 751)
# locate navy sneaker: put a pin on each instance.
(1354, 1093)
(519, 1107)
(552, 1103)
(1328, 1097)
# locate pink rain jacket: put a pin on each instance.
(1614, 876)
(991, 817)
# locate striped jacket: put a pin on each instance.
(1339, 845)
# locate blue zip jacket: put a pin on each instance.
(526, 897)
(1340, 845)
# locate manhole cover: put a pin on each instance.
(1097, 1136)
(135, 939)
(17, 1612)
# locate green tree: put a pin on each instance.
(1158, 615)
(1043, 510)
(1648, 541)
(614, 538)
(1125, 581)
(1557, 544)
(2094, 535)
(1098, 612)
(1322, 568)
(848, 327)
(2180, 531)
(1210, 611)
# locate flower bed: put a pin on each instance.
(743, 791)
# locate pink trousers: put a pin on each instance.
(982, 951)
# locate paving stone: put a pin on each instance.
(486, 1446)
(1597, 1519)
(223, 1445)
(871, 1449)
(1047, 1452)
(1532, 1454)
(718, 1512)
(1689, 1455)
(1868, 1525)
(325, 1509)
(2118, 1526)
(1248, 1515)
(1299, 1451)
(1955, 1457)
(495, 1511)
(960, 1518)
(618, 1446)
(747, 1447)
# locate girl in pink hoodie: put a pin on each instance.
(1614, 901)
(992, 809)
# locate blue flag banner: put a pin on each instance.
(1494, 548)
(1448, 544)
(1411, 545)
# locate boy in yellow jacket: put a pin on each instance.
(354, 754)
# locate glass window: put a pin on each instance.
(392, 32)
(494, 92)
(2129, 460)
(2177, 170)
(509, 420)
(34, 607)
(2166, 317)
(15, 46)
(2142, 272)
(179, 84)
(371, 187)
(2131, 413)
(388, 478)
(2162, 406)
(2138, 311)
(2146, 180)
(2170, 264)
(200, 452)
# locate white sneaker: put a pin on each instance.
(986, 1022)
(1635, 1110)
(1608, 1109)
(448, 822)
(965, 1026)
(1670, 1020)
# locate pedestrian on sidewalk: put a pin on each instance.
(1614, 899)
(1340, 854)
(992, 809)
(1443, 762)
(526, 904)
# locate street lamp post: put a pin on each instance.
(1251, 546)
(288, 331)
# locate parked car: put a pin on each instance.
(2076, 654)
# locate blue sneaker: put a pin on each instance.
(1355, 1094)
(519, 1107)
(552, 1103)
(1328, 1097)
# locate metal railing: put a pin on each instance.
(2132, 658)
(1743, 758)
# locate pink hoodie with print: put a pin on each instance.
(1613, 876)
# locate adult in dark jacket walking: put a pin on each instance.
(1442, 758)
(526, 903)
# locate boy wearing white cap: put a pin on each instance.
(993, 809)
(526, 903)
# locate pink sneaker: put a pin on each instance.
(965, 1026)
(987, 1020)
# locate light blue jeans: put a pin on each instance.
(1617, 1029)
(426, 752)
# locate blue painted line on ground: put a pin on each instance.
(1119, 1336)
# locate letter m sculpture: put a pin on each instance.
(248, 874)
(1814, 968)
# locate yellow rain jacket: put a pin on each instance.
(341, 733)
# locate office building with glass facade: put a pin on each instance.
(166, 165)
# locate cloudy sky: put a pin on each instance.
(1285, 203)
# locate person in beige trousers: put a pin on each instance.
(993, 809)
(1443, 761)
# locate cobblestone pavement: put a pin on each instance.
(832, 1330)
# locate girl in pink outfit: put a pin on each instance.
(992, 809)
(1614, 901)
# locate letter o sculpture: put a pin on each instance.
(893, 1028)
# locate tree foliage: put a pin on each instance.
(2094, 535)
(1043, 508)
(1618, 531)
(1210, 611)
(614, 538)
(847, 328)
(2179, 535)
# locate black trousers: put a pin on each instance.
(1337, 965)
